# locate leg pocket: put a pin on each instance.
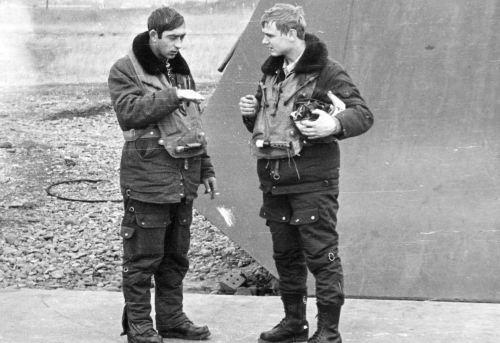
(304, 216)
(143, 229)
(275, 208)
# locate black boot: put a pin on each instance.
(187, 330)
(149, 336)
(138, 334)
(328, 325)
(294, 327)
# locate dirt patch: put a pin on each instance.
(85, 112)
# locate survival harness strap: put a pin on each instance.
(150, 132)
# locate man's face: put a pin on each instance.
(169, 44)
(277, 43)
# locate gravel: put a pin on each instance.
(51, 250)
(48, 137)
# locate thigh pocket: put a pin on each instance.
(275, 208)
(275, 215)
(144, 233)
(304, 216)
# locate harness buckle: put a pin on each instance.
(331, 256)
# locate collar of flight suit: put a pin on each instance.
(313, 59)
(151, 64)
(290, 68)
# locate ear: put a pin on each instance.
(292, 35)
(153, 35)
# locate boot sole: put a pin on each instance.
(133, 340)
(189, 338)
(289, 340)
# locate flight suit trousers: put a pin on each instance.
(304, 237)
(156, 239)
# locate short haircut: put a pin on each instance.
(286, 17)
(164, 19)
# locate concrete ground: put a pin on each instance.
(42, 316)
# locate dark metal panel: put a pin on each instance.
(420, 196)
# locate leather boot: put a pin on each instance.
(149, 336)
(294, 327)
(328, 325)
(138, 334)
(187, 330)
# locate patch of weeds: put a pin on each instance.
(85, 112)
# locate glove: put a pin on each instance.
(210, 186)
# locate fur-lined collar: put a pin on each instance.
(314, 58)
(150, 63)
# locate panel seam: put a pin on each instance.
(351, 13)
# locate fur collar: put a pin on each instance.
(314, 58)
(150, 63)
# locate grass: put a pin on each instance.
(80, 46)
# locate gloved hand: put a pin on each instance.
(211, 186)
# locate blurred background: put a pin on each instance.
(77, 41)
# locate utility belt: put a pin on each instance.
(152, 131)
(134, 134)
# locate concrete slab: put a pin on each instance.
(44, 316)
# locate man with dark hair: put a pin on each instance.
(164, 160)
(306, 102)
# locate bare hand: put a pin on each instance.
(248, 105)
(324, 126)
(211, 186)
(189, 95)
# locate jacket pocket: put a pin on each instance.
(304, 216)
(148, 147)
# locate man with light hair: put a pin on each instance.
(306, 102)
